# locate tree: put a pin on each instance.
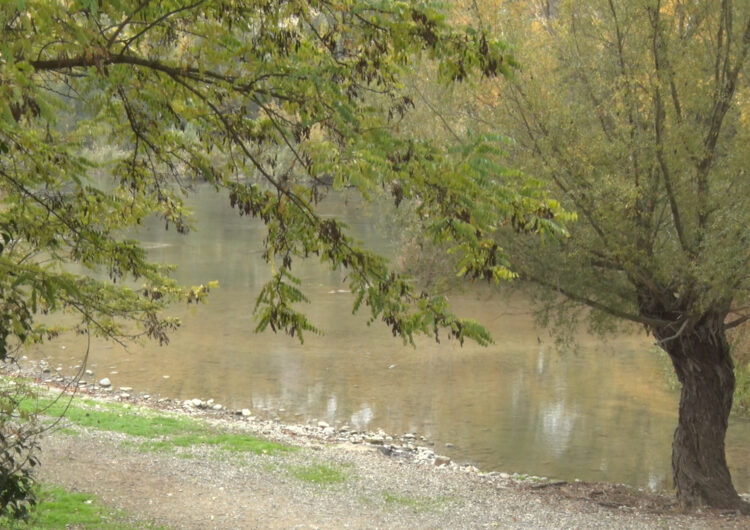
(269, 101)
(636, 115)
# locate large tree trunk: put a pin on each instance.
(700, 355)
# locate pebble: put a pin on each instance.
(126, 388)
(442, 461)
(217, 407)
(89, 372)
(323, 425)
(105, 382)
(246, 412)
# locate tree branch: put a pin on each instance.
(594, 304)
(659, 117)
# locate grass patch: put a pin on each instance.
(69, 431)
(59, 508)
(114, 418)
(236, 443)
(170, 430)
(319, 474)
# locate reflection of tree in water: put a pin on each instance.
(514, 406)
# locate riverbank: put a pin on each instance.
(188, 465)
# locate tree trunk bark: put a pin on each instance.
(701, 358)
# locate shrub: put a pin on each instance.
(19, 433)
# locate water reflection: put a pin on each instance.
(602, 412)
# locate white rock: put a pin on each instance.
(89, 372)
(196, 402)
(442, 461)
(126, 388)
(105, 382)
(323, 425)
(217, 407)
(247, 412)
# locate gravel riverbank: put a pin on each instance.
(369, 480)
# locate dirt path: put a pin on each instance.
(203, 487)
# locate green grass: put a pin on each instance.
(59, 508)
(114, 417)
(69, 431)
(170, 431)
(320, 474)
(236, 443)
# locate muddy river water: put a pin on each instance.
(600, 411)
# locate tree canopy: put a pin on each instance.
(110, 113)
(272, 102)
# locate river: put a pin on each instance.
(601, 410)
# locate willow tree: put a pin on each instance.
(637, 114)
